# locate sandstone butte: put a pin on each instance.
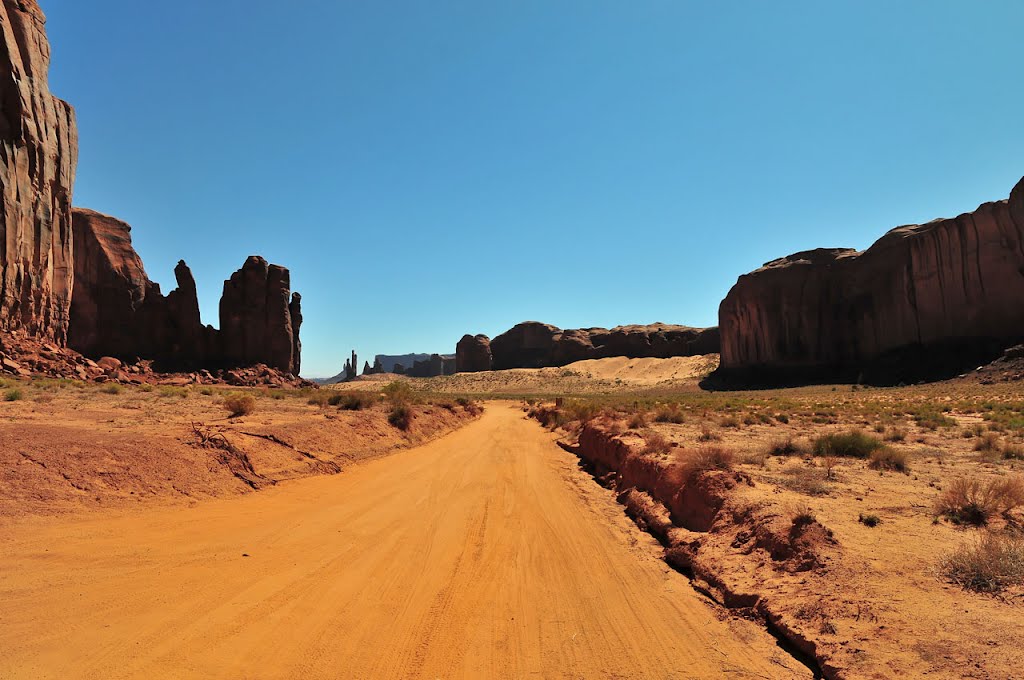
(532, 344)
(72, 276)
(923, 301)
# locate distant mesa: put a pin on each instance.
(924, 302)
(532, 344)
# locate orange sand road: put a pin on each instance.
(484, 554)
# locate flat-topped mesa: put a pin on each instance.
(532, 344)
(38, 155)
(923, 301)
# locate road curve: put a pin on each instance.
(484, 554)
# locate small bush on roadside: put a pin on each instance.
(869, 520)
(319, 399)
(705, 459)
(887, 458)
(398, 393)
(969, 500)
(637, 421)
(400, 416)
(655, 442)
(111, 388)
(852, 444)
(14, 394)
(991, 563)
(239, 404)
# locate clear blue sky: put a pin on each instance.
(427, 169)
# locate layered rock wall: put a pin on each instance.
(923, 301)
(473, 354)
(38, 155)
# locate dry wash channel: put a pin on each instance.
(487, 553)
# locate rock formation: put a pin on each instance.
(256, 317)
(923, 301)
(38, 155)
(117, 311)
(537, 345)
(473, 354)
(435, 365)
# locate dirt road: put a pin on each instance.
(486, 553)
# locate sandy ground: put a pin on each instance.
(594, 376)
(486, 553)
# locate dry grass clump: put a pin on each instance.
(852, 444)
(887, 458)
(319, 398)
(708, 435)
(1013, 451)
(638, 421)
(804, 479)
(896, 434)
(400, 416)
(111, 388)
(729, 421)
(239, 404)
(990, 564)
(669, 413)
(969, 500)
(356, 401)
(784, 446)
(705, 459)
(655, 442)
(14, 394)
(987, 443)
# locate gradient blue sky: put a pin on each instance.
(427, 169)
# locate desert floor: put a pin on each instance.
(485, 553)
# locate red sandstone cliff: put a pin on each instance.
(923, 299)
(38, 155)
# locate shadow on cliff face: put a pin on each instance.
(904, 366)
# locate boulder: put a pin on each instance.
(38, 155)
(473, 354)
(923, 301)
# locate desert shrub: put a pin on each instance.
(804, 479)
(987, 443)
(729, 421)
(705, 459)
(669, 413)
(931, 418)
(638, 421)
(869, 520)
(896, 434)
(400, 416)
(466, 402)
(335, 399)
(111, 388)
(277, 394)
(356, 401)
(206, 391)
(887, 458)
(169, 391)
(398, 393)
(146, 387)
(969, 500)
(319, 399)
(1013, 451)
(973, 431)
(852, 444)
(708, 435)
(14, 394)
(581, 409)
(783, 446)
(989, 564)
(782, 418)
(239, 404)
(655, 442)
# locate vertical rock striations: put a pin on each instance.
(38, 154)
(256, 311)
(923, 301)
